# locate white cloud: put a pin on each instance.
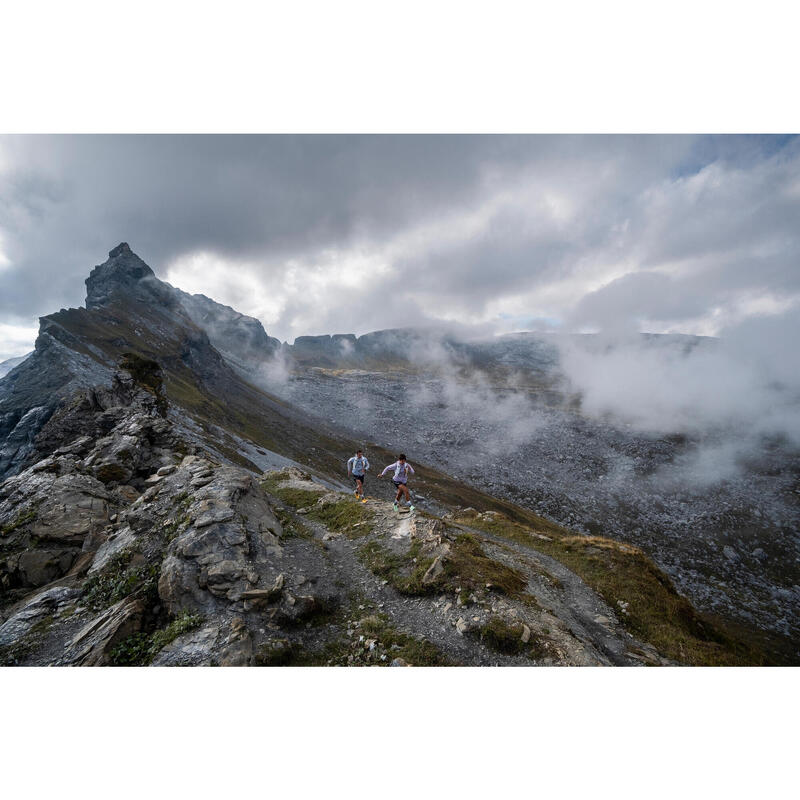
(744, 384)
(16, 340)
(350, 234)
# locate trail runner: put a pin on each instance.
(402, 469)
(357, 467)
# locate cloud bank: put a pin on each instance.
(324, 234)
(328, 234)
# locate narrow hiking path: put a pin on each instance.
(476, 597)
(335, 560)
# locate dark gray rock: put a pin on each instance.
(125, 276)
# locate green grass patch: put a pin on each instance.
(291, 526)
(616, 571)
(500, 636)
(392, 644)
(140, 649)
(469, 566)
(119, 579)
(418, 652)
(504, 637)
(22, 519)
(401, 570)
(466, 567)
(296, 498)
(343, 516)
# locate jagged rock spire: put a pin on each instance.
(125, 275)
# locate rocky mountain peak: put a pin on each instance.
(124, 273)
(122, 247)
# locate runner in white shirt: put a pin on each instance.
(402, 469)
(357, 466)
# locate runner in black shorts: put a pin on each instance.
(357, 466)
(402, 469)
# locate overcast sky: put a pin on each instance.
(315, 234)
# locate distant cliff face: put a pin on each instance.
(241, 339)
(423, 347)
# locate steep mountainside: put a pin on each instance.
(159, 508)
(719, 514)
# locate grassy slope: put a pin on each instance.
(197, 380)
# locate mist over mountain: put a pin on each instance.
(577, 449)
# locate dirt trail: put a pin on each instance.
(575, 624)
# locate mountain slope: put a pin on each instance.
(136, 525)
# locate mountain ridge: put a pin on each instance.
(140, 499)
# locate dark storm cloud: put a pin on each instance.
(317, 234)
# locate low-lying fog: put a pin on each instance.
(687, 446)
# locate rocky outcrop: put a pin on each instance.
(97, 453)
(228, 544)
(93, 645)
(160, 537)
(125, 276)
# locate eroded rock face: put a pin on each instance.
(227, 544)
(97, 444)
(241, 339)
(93, 644)
(34, 390)
(47, 514)
(194, 649)
(192, 540)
